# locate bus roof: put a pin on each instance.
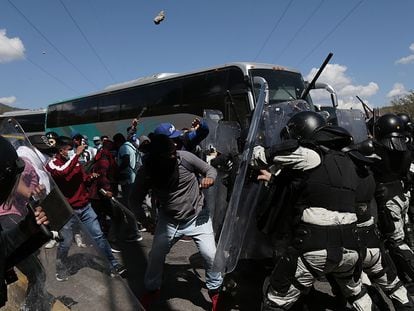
(244, 66)
(23, 112)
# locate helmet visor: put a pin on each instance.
(395, 143)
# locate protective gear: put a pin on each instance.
(333, 137)
(353, 120)
(10, 168)
(389, 131)
(408, 124)
(336, 178)
(303, 124)
(52, 138)
(258, 157)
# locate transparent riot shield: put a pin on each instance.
(243, 195)
(222, 153)
(239, 236)
(65, 277)
(353, 120)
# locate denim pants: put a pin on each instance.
(89, 219)
(169, 232)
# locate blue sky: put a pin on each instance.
(52, 50)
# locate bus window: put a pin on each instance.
(109, 107)
(283, 85)
(84, 111)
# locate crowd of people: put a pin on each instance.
(335, 210)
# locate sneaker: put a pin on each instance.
(149, 297)
(79, 241)
(141, 228)
(186, 239)
(137, 238)
(50, 244)
(118, 270)
(115, 249)
(62, 276)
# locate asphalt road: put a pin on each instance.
(183, 285)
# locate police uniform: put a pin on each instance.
(321, 196)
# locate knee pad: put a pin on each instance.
(283, 274)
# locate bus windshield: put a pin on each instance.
(283, 85)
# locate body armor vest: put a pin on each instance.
(332, 185)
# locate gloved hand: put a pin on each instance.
(258, 157)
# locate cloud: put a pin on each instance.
(8, 100)
(10, 48)
(397, 90)
(407, 59)
(336, 76)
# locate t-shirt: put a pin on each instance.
(127, 175)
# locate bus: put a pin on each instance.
(174, 98)
(31, 121)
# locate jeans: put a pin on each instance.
(89, 219)
(167, 233)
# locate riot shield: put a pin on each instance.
(222, 153)
(240, 237)
(55, 279)
(243, 196)
(353, 120)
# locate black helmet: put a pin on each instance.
(303, 124)
(389, 130)
(52, 137)
(10, 168)
(333, 137)
(408, 124)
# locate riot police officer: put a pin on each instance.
(390, 173)
(10, 168)
(320, 192)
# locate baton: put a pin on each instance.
(125, 209)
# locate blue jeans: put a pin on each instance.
(167, 233)
(89, 219)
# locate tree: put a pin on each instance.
(403, 104)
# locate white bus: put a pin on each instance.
(32, 121)
(175, 98)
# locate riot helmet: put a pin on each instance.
(302, 125)
(10, 168)
(389, 131)
(52, 137)
(408, 124)
(333, 137)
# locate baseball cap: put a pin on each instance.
(167, 129)
(96, 138)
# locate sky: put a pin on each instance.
(53, 50)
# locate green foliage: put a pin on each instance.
(403, 104)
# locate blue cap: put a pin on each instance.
(167, 129)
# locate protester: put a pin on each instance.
(189, 138)
(171, 175)
(107, 169)
(73, 181)
(127, 161)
